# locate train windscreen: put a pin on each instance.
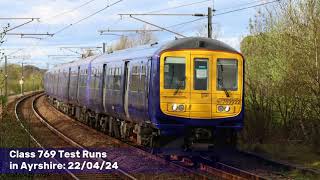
(174, 72)
(227, 76)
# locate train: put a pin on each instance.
(190, 87)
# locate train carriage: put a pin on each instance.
(186, 87)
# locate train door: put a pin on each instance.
(104, 85)
(68, 86)
(78, 82)
(200, 79)
(58, 82)
(126, 88)
(146, 79)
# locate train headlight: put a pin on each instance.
(174, 107)
(178, 107)
(220, 108)
(227, 108)
(224, 108)
(181, 107)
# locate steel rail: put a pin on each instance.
(31, 136)
(203, 176)
(67, 139)
(205, 165)
(219, 169)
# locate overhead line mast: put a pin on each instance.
(227, 12)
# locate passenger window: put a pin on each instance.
(227, 74)
(174, 72)
(110, 79)
(116, 79)
(135, 79)
(143, 77)
(200, 75)
(92, 82)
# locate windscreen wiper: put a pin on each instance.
(181, 83)
(222, 86)
(225, 91)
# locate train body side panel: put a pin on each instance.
(63, 76)
(55, 83)
(113, 93)
(138, 90)
(82, 95)
(95, 86)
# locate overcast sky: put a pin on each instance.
(53, 17)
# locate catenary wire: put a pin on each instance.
(85, 18)
(176, 7)
(71, 10)
(227, 12)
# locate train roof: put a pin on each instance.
(153, 49)
(198, 43)
(156, 48)
(76, 62)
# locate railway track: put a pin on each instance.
(134, 163)
(200, 167)
(130, 170)
(44, 138)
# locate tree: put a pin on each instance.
(282, 72)
(143, 37)
(123, 43)
(202, 31)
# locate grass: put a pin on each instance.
(13, 136)
(296, 175)
(297, 154)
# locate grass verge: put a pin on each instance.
(296, 154)
(12, 135)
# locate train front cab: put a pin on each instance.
(200, 88)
